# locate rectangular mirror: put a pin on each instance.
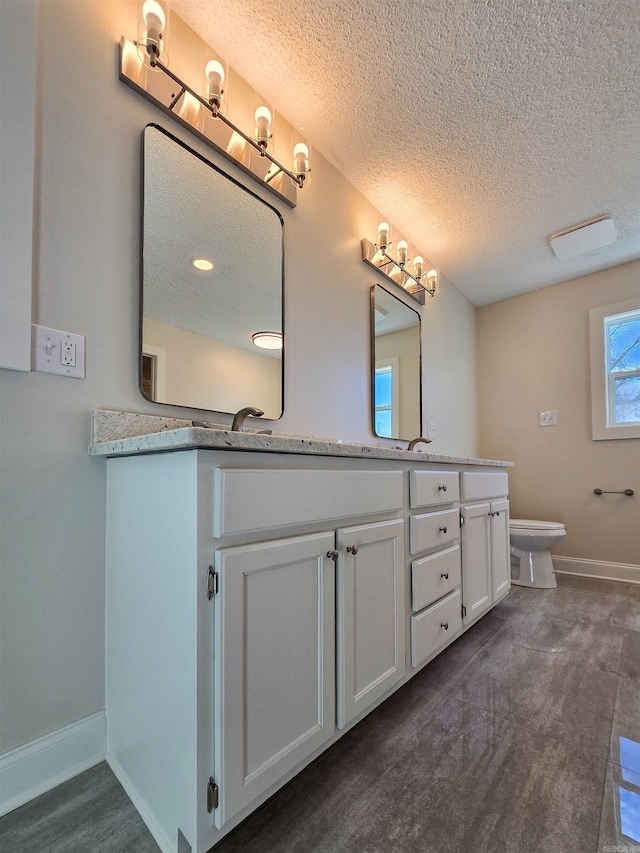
(212, 286)
(396, 367)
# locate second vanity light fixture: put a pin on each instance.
(149, 54)
(411, 277)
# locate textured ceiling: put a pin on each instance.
(478, 127)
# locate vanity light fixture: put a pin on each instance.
(267, 340)
(411, 278)
(187, 106)
(202, 264)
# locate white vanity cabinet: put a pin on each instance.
(259, 604)
(485, 542)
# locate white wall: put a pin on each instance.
(87, 277)
(194, 365)
(533, 356)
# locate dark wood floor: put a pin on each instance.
(522, 736)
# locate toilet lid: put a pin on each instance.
(528, 524)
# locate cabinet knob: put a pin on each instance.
(444, 625)
(444, 575)
(352, 549)
(333, 555)
(442, 530)
(442, 488)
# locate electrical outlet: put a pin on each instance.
(53, 351)
(548, 418)
(69, 353)
(431, 429)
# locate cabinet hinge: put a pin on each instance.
(212, 795)
(212, 583)
(461, 519)
(464, 611)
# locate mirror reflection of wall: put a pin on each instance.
(396, 380)
(200, 320)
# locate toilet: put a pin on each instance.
(531, 542)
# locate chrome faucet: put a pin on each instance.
(415, 441)
(239, 417)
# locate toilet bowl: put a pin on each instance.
(531, 542)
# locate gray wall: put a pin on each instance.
(86, 281)
(533, 356)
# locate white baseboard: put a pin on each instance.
(626, 572)
(36, 767)
(143, 810)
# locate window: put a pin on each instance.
(615, 370)
(386, 398)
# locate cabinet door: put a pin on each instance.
(476, 560)
(500, 553)
(371, 633)
(274, 663)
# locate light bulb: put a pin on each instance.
(263, 120)
(383, 235)
(263, 117)
(300, 161)
(432, 281)
(154, 18)
(402, 251)
(418, 266)
(215, 74)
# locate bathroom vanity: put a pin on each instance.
(264, 593)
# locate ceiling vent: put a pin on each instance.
(590, 235)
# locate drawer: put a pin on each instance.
(248, 499)
(434, 576)
(476, 485)
(433, 530)
(428, 633)
(430, 488)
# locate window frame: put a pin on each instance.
(602, 381)
(391, 364)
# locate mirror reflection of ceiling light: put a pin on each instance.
(267, 340)
(202, 264)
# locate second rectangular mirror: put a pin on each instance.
(396, 371)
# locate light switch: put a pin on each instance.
(548, 418)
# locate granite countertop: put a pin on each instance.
(127, 433)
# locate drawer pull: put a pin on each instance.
(444, 575)
(352, 549)
(442, 488)
(442, 530)
(444, 625)
(333, 555)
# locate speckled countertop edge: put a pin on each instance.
(182, 437)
